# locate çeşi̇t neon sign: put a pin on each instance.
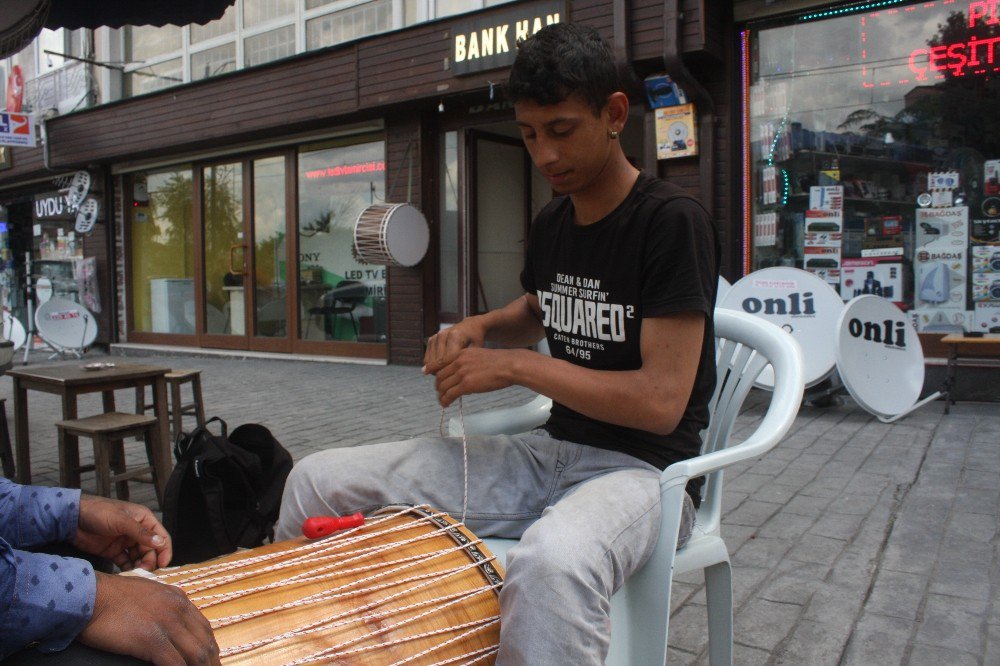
(973, 56)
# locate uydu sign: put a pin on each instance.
(490, 41)
(17, 129)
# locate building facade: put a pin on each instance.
(231, 163)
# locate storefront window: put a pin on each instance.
(874, 157)
(269, 46)
(154, 77)
(448, 241)
(162, 251)
(340, 298)
(342, 26)
(212, 62)
(225, 260)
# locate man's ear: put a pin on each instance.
(617, 111)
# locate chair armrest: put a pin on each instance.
(506, 421)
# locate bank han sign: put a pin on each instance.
(490, 41)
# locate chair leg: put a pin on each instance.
(69, 460)
(6, 454)
(199, 406)
(151, 438)
(117, 459)
(176, 409)
(102, 464)
(719, 595)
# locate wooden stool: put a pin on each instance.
(178, 409)
(6, 455)
(108, 432)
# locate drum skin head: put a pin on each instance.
(391, 234)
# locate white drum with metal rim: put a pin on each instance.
(65, 324)
(879, 356)
(393, 234)
(800, 303)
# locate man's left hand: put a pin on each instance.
(474, 370)
(127, 534)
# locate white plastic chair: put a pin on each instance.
(640, 610)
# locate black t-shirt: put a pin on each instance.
(656, 253)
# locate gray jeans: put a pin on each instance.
(586, 517)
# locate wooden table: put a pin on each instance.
(985, 350)
(69, 380)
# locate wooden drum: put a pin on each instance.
(395, 234)
(408, 587)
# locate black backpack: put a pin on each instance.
(225, 491)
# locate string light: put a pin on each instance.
(850, 9)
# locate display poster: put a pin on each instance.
(878, 277)
(676, 134)
(941, 258)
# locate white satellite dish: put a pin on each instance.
(13, 330)
(66, 325)
(86, 215)
(78, 189)
(43, 289)
(800, 303)
(879, 357)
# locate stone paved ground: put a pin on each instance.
(853, 541)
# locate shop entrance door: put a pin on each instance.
(245, 299)
(500, 215)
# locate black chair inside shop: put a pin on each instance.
(343, 299)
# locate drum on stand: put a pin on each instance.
(391, 234)
(411, 585)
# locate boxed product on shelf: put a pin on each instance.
(826, 198)
(871, 276)
(986, 259)
(940, 258)
(991, 184)
(824, 262)
(986, 287)
(883, 231)
(824, 220)
(934, 320)
(986, 318)
(986, 232)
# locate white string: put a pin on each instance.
(465, 456)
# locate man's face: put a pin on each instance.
(566, 141)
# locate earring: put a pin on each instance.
(613, 134)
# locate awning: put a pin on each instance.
(75, 14)
(22, 20)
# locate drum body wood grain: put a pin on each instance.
(407, 587)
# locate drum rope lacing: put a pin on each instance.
(334, 552)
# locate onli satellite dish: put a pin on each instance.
(13, 330)
(879, 357)
(43, 289)
(799, 302)
(86, 216)
(66, 325)
(395, 234)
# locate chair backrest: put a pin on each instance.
(744, 347)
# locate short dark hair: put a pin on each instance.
(561, 60)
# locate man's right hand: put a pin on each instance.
(150, 621)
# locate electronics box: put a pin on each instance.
(986, 287)
(986, 318)
(872, 276)
(986, 259)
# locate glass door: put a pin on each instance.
(244, 286)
